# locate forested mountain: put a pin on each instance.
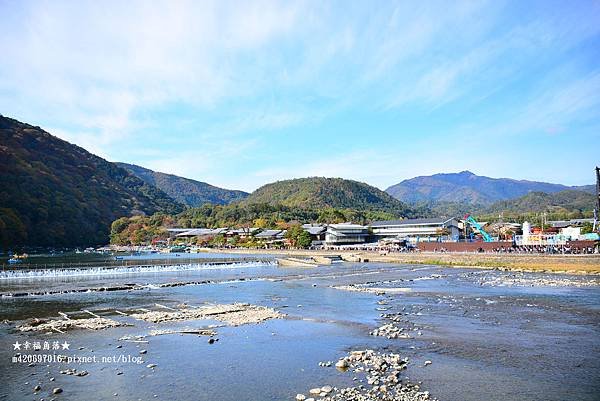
(466, 187)
(184, 190)
(57, 194)
(563, 201)
(320, 193)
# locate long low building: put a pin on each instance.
(201, 232)
(433, 229)
(346, 234)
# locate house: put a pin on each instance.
(346, 234)
(317, 233)
(433, 229)
(271, 235)
(244, 232)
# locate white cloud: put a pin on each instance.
(107, 74)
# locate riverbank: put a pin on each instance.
(567, 264)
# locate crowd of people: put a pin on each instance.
(510, 249)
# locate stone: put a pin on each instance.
(427, 363)
(37, 388)
(326, 389)
(341, 364)
(315, 391)
(300, 397)
(151, 365)
(57, 390)
(143, 351)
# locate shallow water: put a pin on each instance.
(500, 342)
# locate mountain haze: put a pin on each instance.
(184, 190)
(57, 194)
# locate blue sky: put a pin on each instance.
(240, 93)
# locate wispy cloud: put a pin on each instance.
(210, 88)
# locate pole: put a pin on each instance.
(596, 228)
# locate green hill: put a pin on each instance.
(322, 193)
(184, 190)
(536, 202)
(57, 194)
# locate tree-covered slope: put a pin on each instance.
(54, 193)
(320, 193)
(564, 201)
(466, 187)
(184, 190)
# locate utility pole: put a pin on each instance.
(596, 228)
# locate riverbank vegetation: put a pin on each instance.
(139, 230)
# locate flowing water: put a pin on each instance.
(490, 335)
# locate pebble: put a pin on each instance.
(37, 388)
(342, 364)
(151, 365)
(143, 351)
(427, 363)
(57, 390)
(300, 397)
(74, 372)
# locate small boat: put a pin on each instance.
(14, 260)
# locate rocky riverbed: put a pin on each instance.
(380, 378)
(338, 332)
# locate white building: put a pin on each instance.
(346, 234)
(421, 229)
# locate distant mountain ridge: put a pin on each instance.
(55, 193)
(466, 187)
(536, 202)
(321, 192)
(185, 190)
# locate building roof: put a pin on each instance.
(347, 226)
(270, 233)
(179, 230)
(411, 222)
(314, 229)
(195, 232)
(572, 222)
(245, 230)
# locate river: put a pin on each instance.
(490, 335)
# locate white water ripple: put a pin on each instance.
(103, 271)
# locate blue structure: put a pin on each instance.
(473, 223)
